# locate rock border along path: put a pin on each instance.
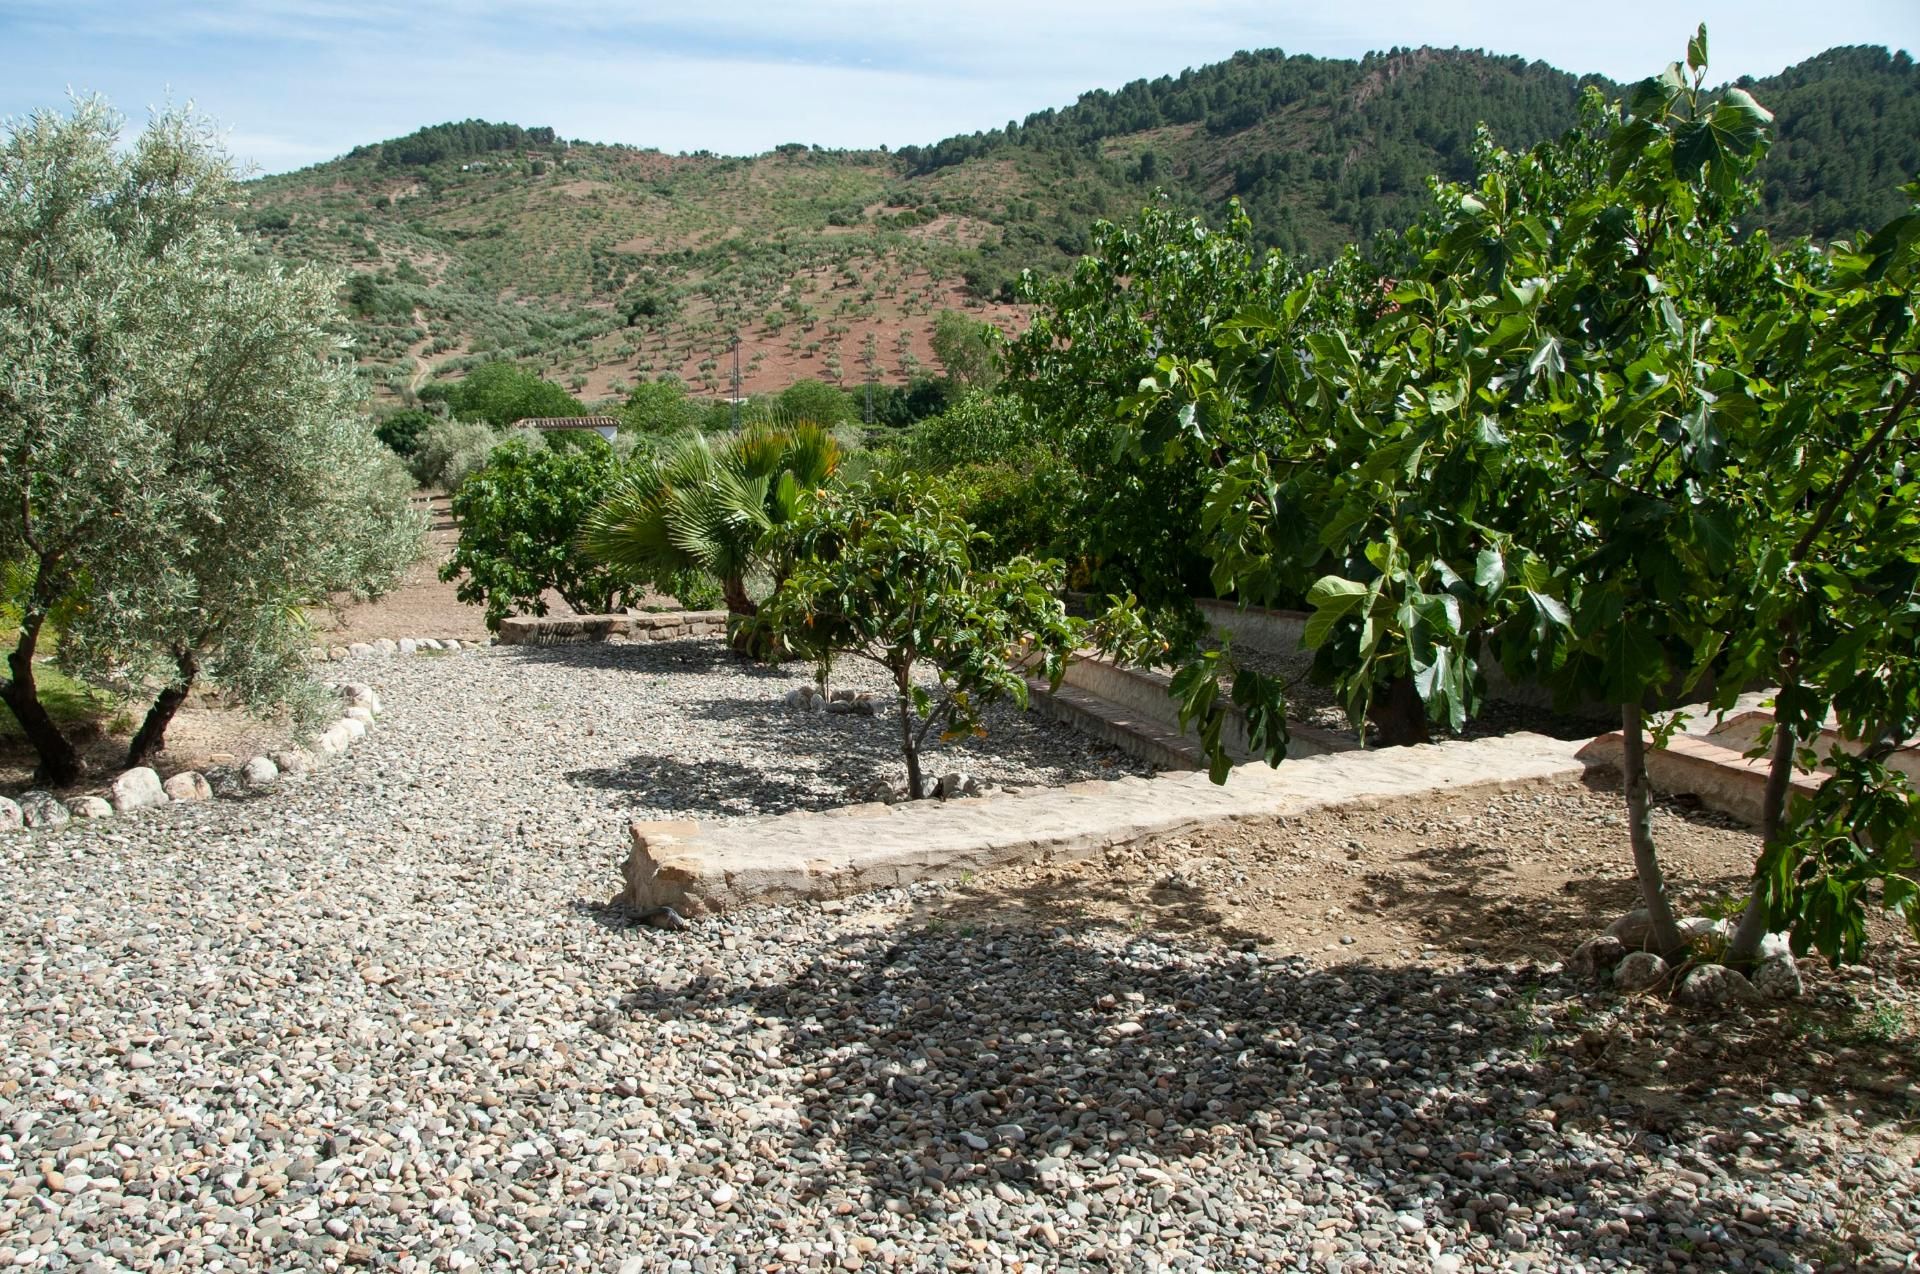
(698, 869)
(141, 787)
(670, 625)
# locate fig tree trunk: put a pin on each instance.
(59, 763)
(1667, 942)
(1399, 716)
(1744, 947)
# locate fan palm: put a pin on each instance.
(712, 508)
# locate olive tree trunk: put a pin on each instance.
(1667, 941)
(59, 762)
(152, 735)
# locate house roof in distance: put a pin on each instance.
(567, 422)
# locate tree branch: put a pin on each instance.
(1851, 474)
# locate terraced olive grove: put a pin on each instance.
(603, 265)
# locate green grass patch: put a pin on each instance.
(69, 702)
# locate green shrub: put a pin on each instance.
(520, 517)
(977, 429)
(451, 451)
(403, 430)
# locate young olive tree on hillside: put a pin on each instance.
(883, 573)
(185, 465)
(969, 349)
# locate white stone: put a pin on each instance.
(363, 715)
(1640, 971)
(1594, 959)
(188, 785)
(137, 787)
(260, 772)
(355, 728)
(1713, 986)
(1635, 929)
(89, 807)
(428, 643)
(360, 648)
(336, 740)
(450, 644)
(293, 762)
(407, 645)
(386, 646)
(43, 811)
(358, 694)
(1778, 977)
(11, 819)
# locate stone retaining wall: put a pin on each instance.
(705, 868)
(549, 630)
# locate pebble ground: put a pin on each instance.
(382, 1018)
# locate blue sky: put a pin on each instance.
(298, 81)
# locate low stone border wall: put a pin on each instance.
(546, 630)
(388, 646)
(1276, 630)
(142, 785)
(695, 868)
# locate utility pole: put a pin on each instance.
(734, 345)
(870, 350)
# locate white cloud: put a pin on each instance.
(305, 79)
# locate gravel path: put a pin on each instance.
(382, 1019)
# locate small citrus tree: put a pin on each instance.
(883, 573)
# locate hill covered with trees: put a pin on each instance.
(607, 264)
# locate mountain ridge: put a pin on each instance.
(603, 263)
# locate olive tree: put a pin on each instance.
(186, 464)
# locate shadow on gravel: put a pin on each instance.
(1001, 1062)
(689, 654)
(719, 789)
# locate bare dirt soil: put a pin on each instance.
(204, 732)
(1518, 879)
(422, 606)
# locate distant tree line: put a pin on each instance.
(1325, 152)
(438, 142)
